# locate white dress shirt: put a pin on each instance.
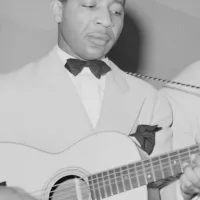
(89, 88)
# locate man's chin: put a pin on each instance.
(94, 53)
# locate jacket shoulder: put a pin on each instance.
(133, 81)
(142, 84)
(23, 75)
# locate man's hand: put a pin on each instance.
(190, 179)
(8, 193)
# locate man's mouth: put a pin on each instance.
(98, 39)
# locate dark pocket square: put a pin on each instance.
(3, 184)
(145, 134)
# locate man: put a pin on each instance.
(184, 99)
(50, 105)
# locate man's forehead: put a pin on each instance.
(122, 2)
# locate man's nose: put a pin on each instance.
(104, 18)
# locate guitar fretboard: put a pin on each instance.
(134, 175)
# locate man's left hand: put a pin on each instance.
(190, 179)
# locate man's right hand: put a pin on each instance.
(9, 193)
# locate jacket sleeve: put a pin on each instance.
(185, 124)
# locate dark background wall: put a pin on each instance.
(127, 51)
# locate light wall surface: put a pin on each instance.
(27, 32)
(170, 30)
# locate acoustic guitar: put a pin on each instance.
(105, 165)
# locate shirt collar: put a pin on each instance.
(65, 56)
(62, 54)
(115, 72)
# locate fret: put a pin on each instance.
(119, 181)
(157, 168)
(133, 176)
(140, 174)
(101, 185)
(126, 178)
(107, 184)
(175, 163)
(91, 186)
(113, 182)
(184, 155)
(96, 187)
(165, 165)
(148, 171)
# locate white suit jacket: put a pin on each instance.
(185, 104)
(39, 105)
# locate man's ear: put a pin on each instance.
(56, 8)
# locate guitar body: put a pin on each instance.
(63, 175)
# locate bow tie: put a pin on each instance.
(97, 67)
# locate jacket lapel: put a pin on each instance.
(119, 111)
(74, 120)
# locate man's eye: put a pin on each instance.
(116, 12)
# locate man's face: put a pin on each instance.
(88, 29)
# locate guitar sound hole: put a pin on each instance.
(68, 188)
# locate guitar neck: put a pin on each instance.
(134, 175)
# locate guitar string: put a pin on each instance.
(155, 167)
(73, 190)
(179, 155)
(142, 170)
